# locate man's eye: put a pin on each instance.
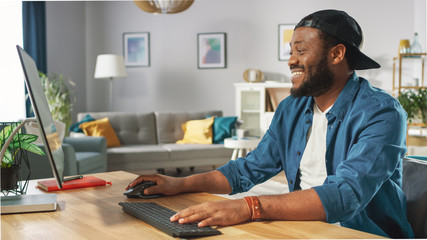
(298, 51)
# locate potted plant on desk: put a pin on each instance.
(13, 143)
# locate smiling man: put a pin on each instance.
(339, 141)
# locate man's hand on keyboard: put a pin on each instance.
(220, 213)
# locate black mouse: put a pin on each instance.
(138, 191)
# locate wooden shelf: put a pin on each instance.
(399, 60)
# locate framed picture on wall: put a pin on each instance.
(285, 35)
(211, 50)
(136, 49)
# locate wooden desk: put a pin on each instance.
(94, 213)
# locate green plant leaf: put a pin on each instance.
(415, 104)
(406, 101)
(35, 149)
(8, 157)
(19, 141)
(32, 148)
(5, 133)
(28, 138)
(59, 98)
(5, 165)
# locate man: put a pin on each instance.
(339, 140)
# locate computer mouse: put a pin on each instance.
(138, 191)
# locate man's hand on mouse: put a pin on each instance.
(165, 185)
(220, 213)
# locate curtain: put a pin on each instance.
(34, 38)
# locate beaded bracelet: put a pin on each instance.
(254, 207)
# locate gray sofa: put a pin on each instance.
(148, 141)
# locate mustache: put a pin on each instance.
(297, 66)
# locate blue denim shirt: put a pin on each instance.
(365, 146)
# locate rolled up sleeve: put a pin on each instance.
(258, 166)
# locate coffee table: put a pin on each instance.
(241, 146)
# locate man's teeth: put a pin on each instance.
(296, 73)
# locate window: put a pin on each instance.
(12, 95)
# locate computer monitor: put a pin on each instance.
(48, 133)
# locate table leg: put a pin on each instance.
(240, 152)
(234, 156)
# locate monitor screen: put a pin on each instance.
(47, 128)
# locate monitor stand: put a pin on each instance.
(28, 203)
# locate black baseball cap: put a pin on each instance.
(340, 25)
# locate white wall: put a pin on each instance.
(66, 51)
(173, 81)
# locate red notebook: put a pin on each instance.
(87, 181)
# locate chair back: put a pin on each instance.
(415, 188)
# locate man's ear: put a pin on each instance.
(337, 53)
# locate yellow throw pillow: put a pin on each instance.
(197, 131)
(101, 127)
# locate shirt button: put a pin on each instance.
(291, 181)
(308, 121)
(298, 153)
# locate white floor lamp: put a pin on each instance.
(109, 66)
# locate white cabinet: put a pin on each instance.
(256, 102)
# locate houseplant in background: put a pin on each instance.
(13, 143)
(415, 104)
(59, 98)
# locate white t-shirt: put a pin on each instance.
(313, 162)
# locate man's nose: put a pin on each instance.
(292, 61)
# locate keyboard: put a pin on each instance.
(158, 217)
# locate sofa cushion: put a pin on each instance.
(101, 128)
(222, 128)
(131, 128)
(201, 151)
(197, 131)
(169, 124)
(136, 148)
(75, 127)
(135, 156)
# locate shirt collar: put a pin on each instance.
(346, 96)
(340, 106)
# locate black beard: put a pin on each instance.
(316, 83)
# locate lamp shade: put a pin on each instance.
(163, 6)
(110, 66)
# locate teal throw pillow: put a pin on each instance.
(222, 128)
(75, 126)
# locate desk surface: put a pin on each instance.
(94, 213)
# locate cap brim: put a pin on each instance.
(364, 62)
